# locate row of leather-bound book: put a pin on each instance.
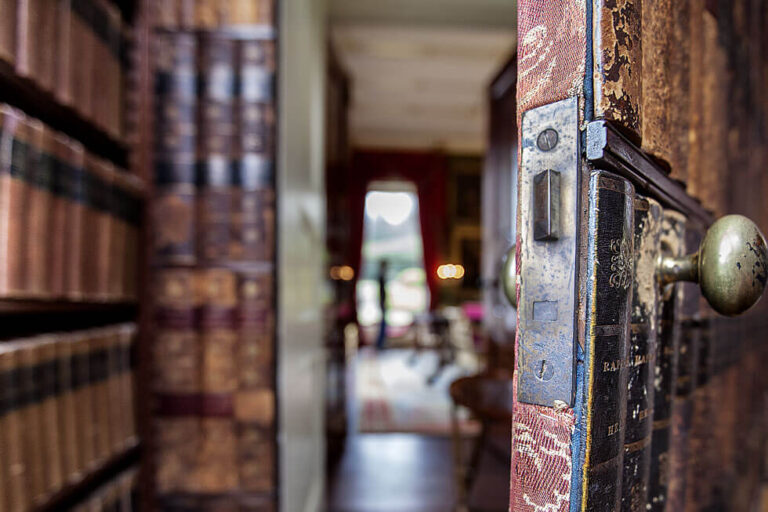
(207, 14)
(69, 221)
(66, 408)
(214, 154)
(117, 495)
(213, 383)
(73, 49)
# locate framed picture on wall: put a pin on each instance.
(466, 249)
(466, 189)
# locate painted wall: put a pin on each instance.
(301, 221)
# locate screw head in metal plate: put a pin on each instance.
(547, 139)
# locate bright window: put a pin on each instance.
(392, 232)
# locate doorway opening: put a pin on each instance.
(391, 234)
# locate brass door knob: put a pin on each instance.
(730, 265)
(509, 276)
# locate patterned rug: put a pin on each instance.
(392, 394)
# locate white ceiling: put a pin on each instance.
(420, 68)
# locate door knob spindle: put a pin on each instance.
(731, 265)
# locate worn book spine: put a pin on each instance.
(43, 29)
(642, 352)
(89, 235)
(14, 188)
(610, 273)
(132, 211)
(61, 203)
(102, 69)
(127, 340)
(114, 42)
(217, 464)
(64, 58)
(83, 397)
(255, 399)
(117, 238)
(8, 31)
(25, 38)
(31, 415)
(35, 212)
(41, 197)
(82, 47)
(74, 190)
(17, 492)
(100, 245)
(176, 383)
(216, 147)
(685, 385)
(98, 377)
(253, 217)
(67, 411)
(175, 149)
(665, 371)
(49, 397)
(119, 413)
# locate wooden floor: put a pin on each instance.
(393, 473)
(410, 473)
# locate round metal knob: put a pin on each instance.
(509, 275)
(731, 265)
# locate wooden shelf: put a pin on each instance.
(27, 96)
(30, 306)
(73, 494)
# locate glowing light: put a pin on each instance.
(343, 273)
(450, 271)
(393, 207)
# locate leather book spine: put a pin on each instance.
(687, 360)
(642, 351)
(8, 31)
(64, 57)
(89, 235)
(103, 229)
(43, 28)
(255, 398)
(83, 397)
(253, 217)
(119, 412)
(217, 466)
(132, 210)
(82, 48)
(11, 429)
(30, 358)
(244, 12)
(207, 14)
(24, 38)
(38, 206)
(610, 272)
(127, 382)
(176, 381)
(97, 373)
(61, 204)
(9, 120)
(67, 411)
(114, 113)
(14, 189)
(215, 146)
(50, 420)
(665, 373)
(103, 59)
(175, 149)
(117, 238)
(73, 184)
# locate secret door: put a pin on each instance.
(634, 390)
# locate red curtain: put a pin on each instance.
(428, 172)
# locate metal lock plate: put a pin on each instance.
(549, 220)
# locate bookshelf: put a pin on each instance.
(108, 131)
